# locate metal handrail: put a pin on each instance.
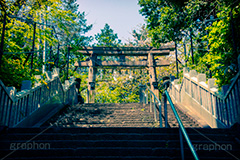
(155, 108)
(181, 129)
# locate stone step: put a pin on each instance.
(124, 143)
(56, 144)
(96, 151)
(122, 157)
(110, 121)
(115, 115)
(114, 136)
(99, 158)
(148, 130)
(116, 151)
(112, 125)
(132, 107)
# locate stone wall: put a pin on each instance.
(219, 108)
(30, 105)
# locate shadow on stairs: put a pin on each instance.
(114, 131)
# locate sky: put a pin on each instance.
(122, 16)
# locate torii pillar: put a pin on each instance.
(152, 74)
(91, 79)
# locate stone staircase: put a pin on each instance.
(115, 143)
(116, 115)
(115, 131)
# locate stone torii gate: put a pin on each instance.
(93, 63)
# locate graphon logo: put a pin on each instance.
(29, 146)
(212, 147)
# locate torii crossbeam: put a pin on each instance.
(93, 63)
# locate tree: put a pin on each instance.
(72, 33)
(116, 85)
(223, 46)
(107, 37)
(210, 24)
(118, 89)
(140, 37)
(52, 18)
(165, 19)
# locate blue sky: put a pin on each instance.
(122, 15)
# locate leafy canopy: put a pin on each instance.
(213, 25)
(58, 24)
(107, 37)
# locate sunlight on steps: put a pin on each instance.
(115, 115)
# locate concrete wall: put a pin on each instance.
(42, 114)
(34, 105)
(53, 105)
(217, 108)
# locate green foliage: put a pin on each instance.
(208, 22)
(164, 20)
(222, 58)
(58, 24)
(107, 37)
(120, 88)
(13, 72)
(140, 37)
(119, 85)
(74, 27)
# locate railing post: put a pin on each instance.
(165, 110)
(78, 82)
(142, 88)
(155, 111)
(176, 59)
(27, 105)
(150, 96)
(181, 143)
(11, 116)
(160, 115)
(87, 101)
(146, 100)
